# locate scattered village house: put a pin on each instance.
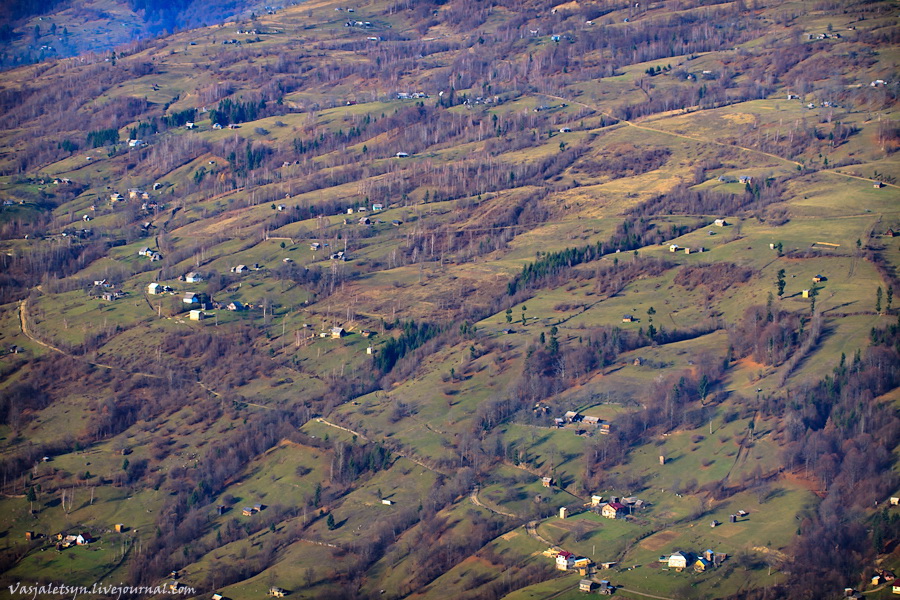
(277, 592)
(565, 560)
(193, 277)
(613, 510)
(585, 585)
(196, 315)
(338, 332)
(191, 298)
(546, 481)
(571, 416)
(157, 288)
(678, 560)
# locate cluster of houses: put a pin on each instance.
(361, 209)
(112, 295)
(543, 107)
(615, 508)
(245, 268)
(133, 194)
(481, 100)
(604, 587)
(64, 541)
(566, 561)
(108, 290)
(681, 560)
(573, 417)
(335, 333)
(147, 252)
(686, 249)
(822, 36)
(79, 233)
(197, 302)
(249, 511)
(411, 95)
(745, 179)
(882, 576)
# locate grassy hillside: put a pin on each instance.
(393, 242)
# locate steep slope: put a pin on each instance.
(351, 265)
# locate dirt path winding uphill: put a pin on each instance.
(405, 455)
(474, 498)
(531, 529)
